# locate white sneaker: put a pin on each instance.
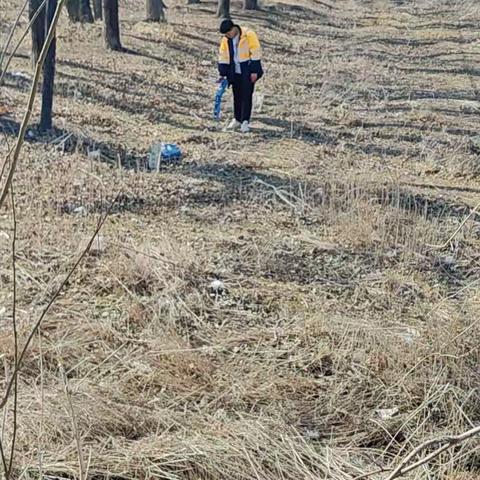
(245, 128)
(233, 125)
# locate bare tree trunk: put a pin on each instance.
(48, 73)
(79, 11)
(155, 11)
(73, 9)
(97, 9)
(223, 10)
(112, 25)
(38, 29)
(86, 15)
(250, 5)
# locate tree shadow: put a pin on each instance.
(139, 53)
(471, 71)
(460, 25)
(451, 188)
(240, 183)
(19, 81)
(407, 138)
(72, 64)
(324, 136)
(240, 180)
(128, 86)
(412, 42)
(89, 68)
(408, 94)
(8, 126)
(308, 134)
(183, 101)
(419, 60)
(412, 126)
(72, 142)
(200, 39)
(288, 10)
(463, 110)
(186, 50)
(377, 150)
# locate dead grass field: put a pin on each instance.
(347, 331)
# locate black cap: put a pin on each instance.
(226, 26)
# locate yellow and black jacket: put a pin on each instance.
(249, 55)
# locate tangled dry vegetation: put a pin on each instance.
(343, 329)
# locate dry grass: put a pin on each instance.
(323, 226)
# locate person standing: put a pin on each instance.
(241, 64)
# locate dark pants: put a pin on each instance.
(242, 97)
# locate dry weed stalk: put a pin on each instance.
(9, 39)
(12, 382)
(450, 441)
(458, 230)
(15, 336)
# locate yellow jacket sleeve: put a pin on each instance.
(224, 53)
(254, 46)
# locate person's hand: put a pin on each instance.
(221, 79)
(254, 77)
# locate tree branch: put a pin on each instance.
(448, 441)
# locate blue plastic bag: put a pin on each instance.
(222, 86)
(171, 153)
(163, 153)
